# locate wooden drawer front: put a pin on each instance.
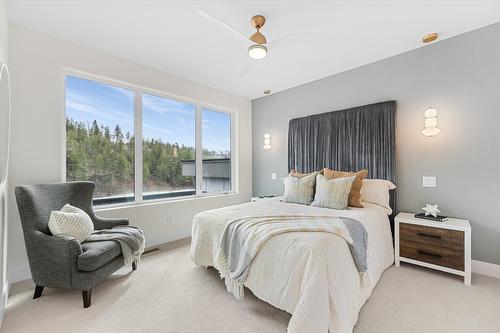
(451, 239)
(432, 254)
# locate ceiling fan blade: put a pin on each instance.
(213, 19)
(310, 34)
(247, 68)
(252, 64)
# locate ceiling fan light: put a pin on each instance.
(257, 51)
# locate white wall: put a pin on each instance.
(37, 126)
(3, 33)
(4, 187)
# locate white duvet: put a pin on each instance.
(311, 275)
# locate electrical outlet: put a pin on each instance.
(169, 220)
(428, 181)
(273, 176)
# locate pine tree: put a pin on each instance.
(93, 153)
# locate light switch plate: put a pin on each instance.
(428, 181)
(273, 176)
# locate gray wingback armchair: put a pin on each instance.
(61, 261)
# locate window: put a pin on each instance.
(168, 129)
(100, 138)
(216, 143)
(102, 123)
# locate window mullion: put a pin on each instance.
(234, 160)
(198, 151)
(138, 145)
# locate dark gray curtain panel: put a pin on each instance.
(363, 137)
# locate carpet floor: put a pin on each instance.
(168, 293)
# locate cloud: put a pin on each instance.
(83, 103)
(121, 91)
(157, 129)
(163, 105)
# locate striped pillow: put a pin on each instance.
(299, 190)
(333, 193)
(355, 193)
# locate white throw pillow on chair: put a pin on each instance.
(71, 221)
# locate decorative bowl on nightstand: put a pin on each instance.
(444, 246)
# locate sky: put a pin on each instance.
(165, 119)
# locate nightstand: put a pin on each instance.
(444, 246)
(255, 199)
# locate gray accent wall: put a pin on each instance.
(460, 77)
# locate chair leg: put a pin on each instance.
(87, 298)
(38, 292)
(134, 265)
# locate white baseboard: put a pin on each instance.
(485, 268)
(19, 274)
(478, 267)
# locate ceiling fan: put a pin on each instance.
(258, 50)
(258, 45)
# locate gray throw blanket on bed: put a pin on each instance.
(243, 238)
(130, 238)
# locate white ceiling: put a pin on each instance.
(172, 37)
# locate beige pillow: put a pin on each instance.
(377, 191)
(297, 174)
(333, 193)
(300, 190)
(355, 193)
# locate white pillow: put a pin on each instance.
(377, 191)
(300, 190)
(71, 221)
(332, 193)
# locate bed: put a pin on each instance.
(313, 275)
(308, 274)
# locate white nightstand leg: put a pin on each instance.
(396, 243)
(467, 250)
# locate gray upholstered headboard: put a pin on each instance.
(363, 137)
